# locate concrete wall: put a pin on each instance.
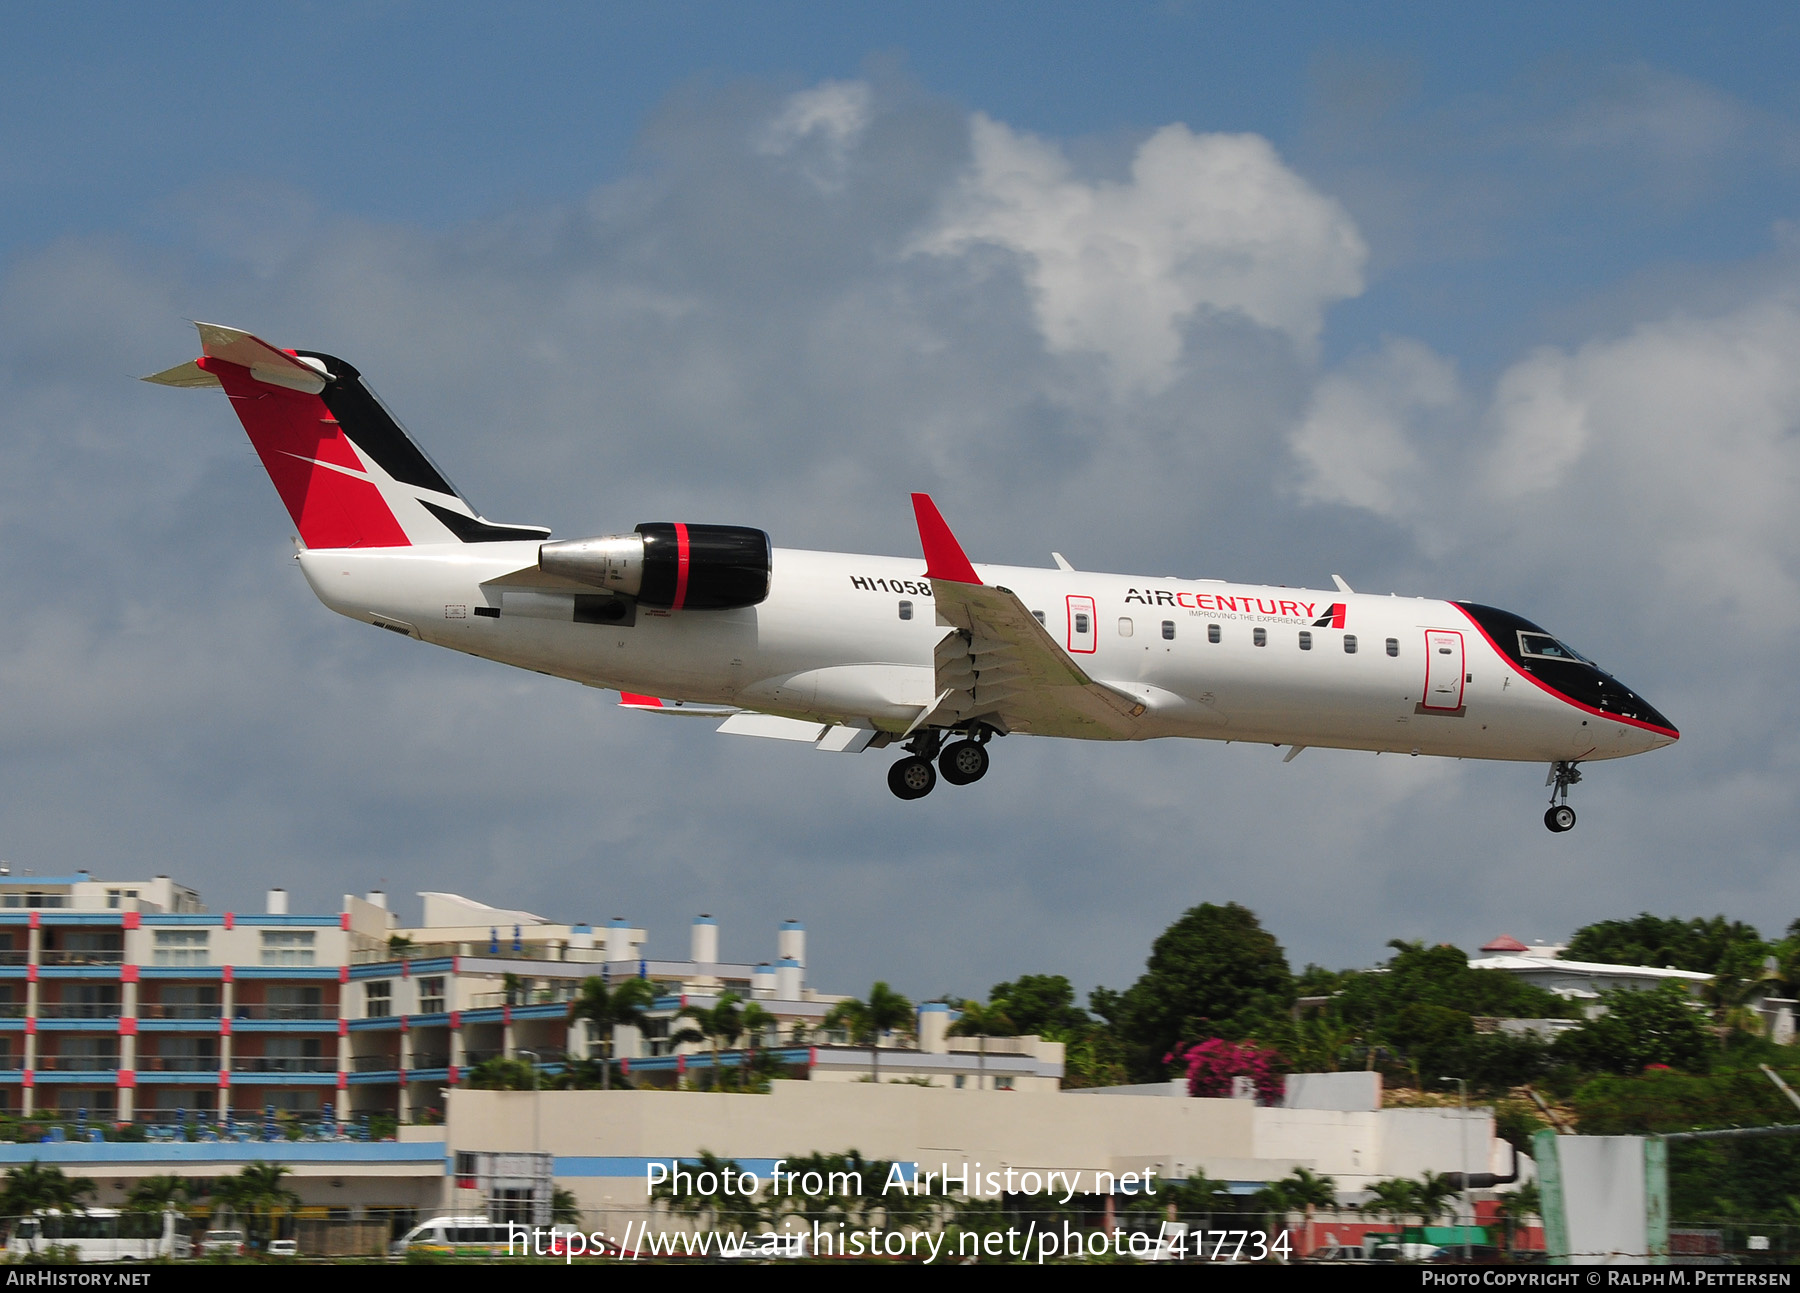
(603, 1141)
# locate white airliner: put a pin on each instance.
(852, 652)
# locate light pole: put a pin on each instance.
(1462, 1145)
(535, 1057)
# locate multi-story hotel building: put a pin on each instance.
(128, 1001)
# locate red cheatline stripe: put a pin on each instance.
(1541, 685)
(681, 566)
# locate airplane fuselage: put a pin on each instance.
(853, 652)
(847, 638)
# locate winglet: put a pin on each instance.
(631, 700)
(944, 557)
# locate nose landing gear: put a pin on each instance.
(1563, 774)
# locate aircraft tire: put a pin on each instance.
(912, 778)
(963, 763)
(1559, 818)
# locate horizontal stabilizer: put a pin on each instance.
(189, 375)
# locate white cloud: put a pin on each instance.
(1673, 449)
(821, 125)
(1206, 223)
(1355, 445)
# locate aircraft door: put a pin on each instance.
(1082, 629)
(1443, 669)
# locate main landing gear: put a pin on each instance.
(962, 762)
(1563, 774)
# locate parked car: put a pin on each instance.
(229, 1243)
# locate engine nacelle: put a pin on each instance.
(669, 564)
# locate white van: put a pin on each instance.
(462, 1237)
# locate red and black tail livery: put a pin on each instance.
(348, 473)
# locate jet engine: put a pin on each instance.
(669, 564)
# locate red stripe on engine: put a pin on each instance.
(681, 566)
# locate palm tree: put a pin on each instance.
(1436, 1196)
(163, 1194)
(606, 1009)
(1396, 1198)
(756, 1022)
(982, 1022)
(720, 1022)
(33, 1187)
(1515, 1206)
(257, 1195)
(1302, 1191)
(866, 1021)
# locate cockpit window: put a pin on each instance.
(1545, 647)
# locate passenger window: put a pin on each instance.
(1038, 616)
(1125, 626)
(1081, 622)
(1260, 637)
(1349, 644)
(1393, 646)
(1168, 630)
(906, 610)
(1212, 632)
(1305, 640)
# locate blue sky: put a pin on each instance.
(1518, 326)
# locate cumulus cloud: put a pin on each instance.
(823, 125)
(1679, 441)
(1356, 445)
(1207, 223)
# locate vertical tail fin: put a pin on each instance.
(348, 473)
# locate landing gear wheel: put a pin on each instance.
(963, 762)
(1559, 818)
(912, 778)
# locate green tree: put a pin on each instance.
(565, 1209)
(32, 1187)
(1396, 1198)
(867, 1022)
(165, 1194)
(719, 1207)
(983, 1022)
(1040, 1004)
(1639, 1029)
(256, 1194)
(1214, 973)
(499, 1073)
(718, 1025)
(606, 1008)
(1516, 1207)
(757, 1023)
(1699, 944)
(1435, 1196)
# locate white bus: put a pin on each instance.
(102, 1235)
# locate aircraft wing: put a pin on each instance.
(998, 664)
(833, 739)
